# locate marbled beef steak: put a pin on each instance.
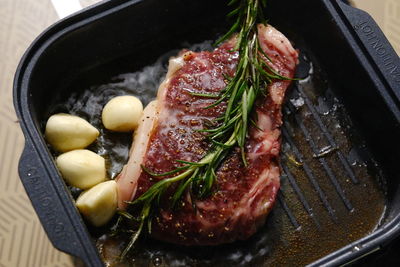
(243, 196)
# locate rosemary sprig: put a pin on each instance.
(252, 76)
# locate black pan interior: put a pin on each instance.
(356, 118)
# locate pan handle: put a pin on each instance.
(59, 217)
(374, 41)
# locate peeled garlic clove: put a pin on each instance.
(66, 132)
(99, 203)
(122, 113)
(82, 168)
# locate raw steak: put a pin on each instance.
(243, 195)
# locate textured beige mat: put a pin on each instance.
(22, 239)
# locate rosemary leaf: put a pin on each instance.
(253, 74)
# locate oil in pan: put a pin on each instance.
(331, 190)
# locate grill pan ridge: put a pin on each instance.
(334, 160)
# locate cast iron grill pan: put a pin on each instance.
(335, 171)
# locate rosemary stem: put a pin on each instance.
(252, 76)
(133, 239)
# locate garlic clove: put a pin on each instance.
(122, 113)
(99, 203)
(66, 132)
(82, 168)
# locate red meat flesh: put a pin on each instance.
(243, 195)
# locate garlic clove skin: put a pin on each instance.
(122, 113)
(99, 203)
(66, 132)
(82, 168)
